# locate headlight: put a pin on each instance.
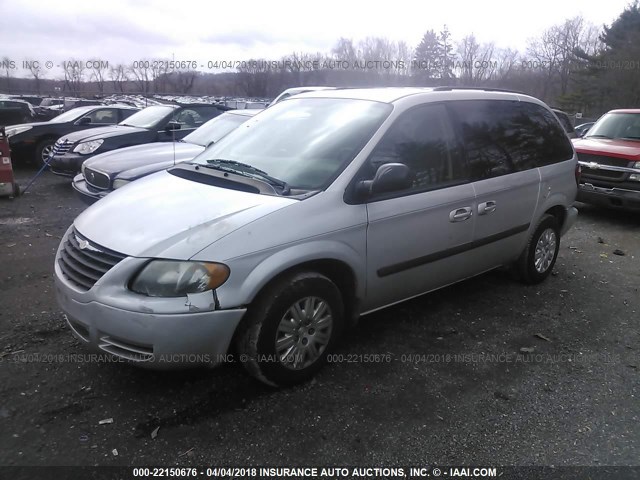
(88, 147)
(635, 176)
(10, 132)
(120, 182)
(168, 278)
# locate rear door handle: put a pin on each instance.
(460, 214)
(486, 207)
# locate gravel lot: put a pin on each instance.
(572, 400)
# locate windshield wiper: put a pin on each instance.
(597, 136)
(630, 138)
(248, 170)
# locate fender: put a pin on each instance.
(250, 281)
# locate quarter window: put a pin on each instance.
(502, 137)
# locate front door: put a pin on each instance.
(418, 238)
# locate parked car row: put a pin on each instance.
(106, 172)
(324, 207)
(160, 123)
(35, 141)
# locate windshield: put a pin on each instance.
(617, 125)
(148, 117)
(215, 129)
(71, 115)
(303, 142)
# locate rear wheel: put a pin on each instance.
(290, 329)
(43, 150)
(538, 258)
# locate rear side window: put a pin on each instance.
(502, 137)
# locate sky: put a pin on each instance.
(121, 31)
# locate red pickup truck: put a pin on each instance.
(609, 155)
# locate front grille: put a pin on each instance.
(61, 147)
(603, 160)
(83, 263)
(96, 179)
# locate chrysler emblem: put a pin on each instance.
(85, 245)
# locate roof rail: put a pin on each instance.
(486, 89)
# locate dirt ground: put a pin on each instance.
(455, 387)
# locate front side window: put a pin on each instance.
(423, 140)
(303, 142)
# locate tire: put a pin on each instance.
(42, 148)
(538, 258)
(272, 317)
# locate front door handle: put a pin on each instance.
(486, 207)
(460, 214)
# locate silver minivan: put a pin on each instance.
(323, 208)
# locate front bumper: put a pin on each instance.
(146, 337)
(609, 197)
(83, 190)
(68, 164)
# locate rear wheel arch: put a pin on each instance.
(559, 212)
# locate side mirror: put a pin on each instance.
(84, 121)
(390, 177)
(173, 125)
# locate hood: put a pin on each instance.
(32, 124)
(102, 132)
(627, 149)
(169, 217)
(148, 154)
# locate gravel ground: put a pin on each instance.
(455, 386)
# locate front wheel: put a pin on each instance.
(43, 150)
(538, 258)
(290, 329)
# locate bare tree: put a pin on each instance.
(36, 72)
(141, 74)
(118, 76)
(99, 72)
(506, 64)
(476, 64)
(254, 77)
(7, 66)
(345, 51)
(73, 75)
(182, 81)
(159, 75)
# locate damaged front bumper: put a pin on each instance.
(158, 333)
